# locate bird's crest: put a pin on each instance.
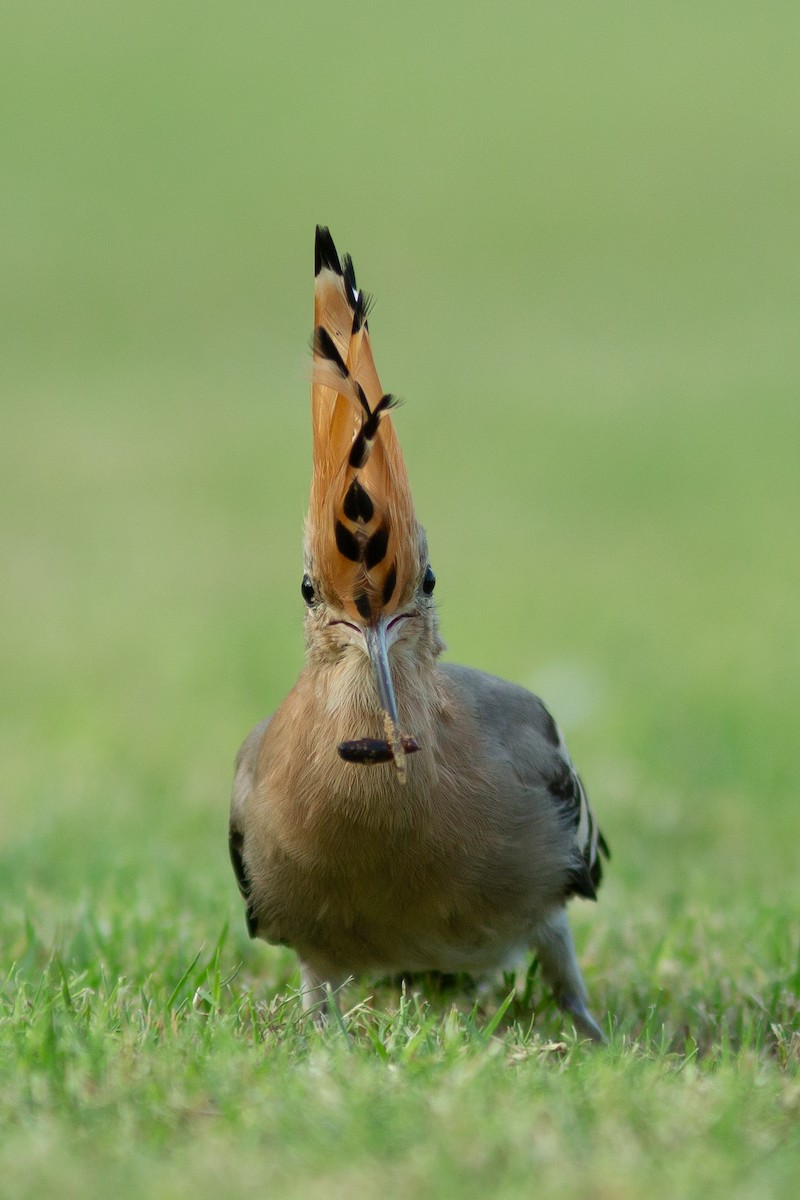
(362, 537)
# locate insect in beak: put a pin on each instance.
(376, 750)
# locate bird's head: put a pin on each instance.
(368, 584)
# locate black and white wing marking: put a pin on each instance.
(243, 783)
(566, 788)
(235, 847)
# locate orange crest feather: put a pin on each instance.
(362, 538)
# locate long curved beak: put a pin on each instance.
(378, 650)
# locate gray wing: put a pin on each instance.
(535, 744)
(243, 783)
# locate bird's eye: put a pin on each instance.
(428, 580)
(307, 589)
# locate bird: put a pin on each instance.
(397, 813)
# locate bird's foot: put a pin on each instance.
(583, 1020)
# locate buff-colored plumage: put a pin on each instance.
(462, 857)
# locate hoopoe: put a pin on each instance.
(397, 814)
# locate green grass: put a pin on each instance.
(580, 223)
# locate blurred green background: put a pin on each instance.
(581, 226)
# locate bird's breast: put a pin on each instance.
(446, 872)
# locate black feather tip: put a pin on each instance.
(325, 346)
(346, 542)
(325, 254)
(375, 548)
(358, 504)
(360, 302)
(359, 451)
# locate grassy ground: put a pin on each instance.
(581, 226)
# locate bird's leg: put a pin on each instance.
(556, 953)
(319, 993)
